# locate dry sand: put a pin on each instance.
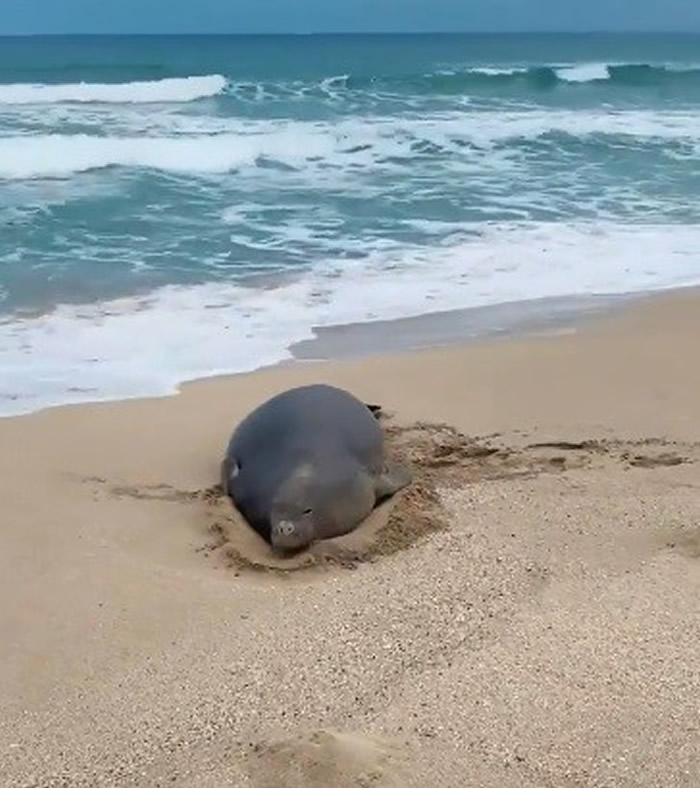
(527, 614)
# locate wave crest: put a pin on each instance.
(458, 81)
(161, 91)
(316, 149)
(541, 77)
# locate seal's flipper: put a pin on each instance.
(229, 470)
(224, 475)
(393, 478)
(376, 410)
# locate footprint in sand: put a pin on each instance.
(324, 758)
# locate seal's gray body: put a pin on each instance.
(308, 464)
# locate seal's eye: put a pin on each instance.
(307, 511)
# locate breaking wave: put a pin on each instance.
(148, 92)
(542, 77)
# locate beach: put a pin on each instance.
(539, 628)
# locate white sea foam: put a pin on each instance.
(594, 72)
(306, 144)
(174, 90)
(584, 72)
(87, 353)
(61, 155)
(493, 71)
(339, 81)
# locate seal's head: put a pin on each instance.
(305, 506)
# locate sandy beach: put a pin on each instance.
(526, 615)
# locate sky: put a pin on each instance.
(304, 16)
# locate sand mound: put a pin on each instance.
(325, 758)
(441, 457)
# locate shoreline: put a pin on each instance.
(457, 326)
(449, 328)
(504, 622)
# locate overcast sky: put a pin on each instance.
(246, 16)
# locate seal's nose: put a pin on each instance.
(286, 536)
(285, 528)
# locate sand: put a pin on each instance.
(527, 614)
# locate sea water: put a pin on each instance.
(176, 207)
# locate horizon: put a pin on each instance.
(367, 33)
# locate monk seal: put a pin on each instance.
(309, 464)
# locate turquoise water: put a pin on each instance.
(174, 207)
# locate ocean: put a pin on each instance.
(178, 207)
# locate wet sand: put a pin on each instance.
(526, 614)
